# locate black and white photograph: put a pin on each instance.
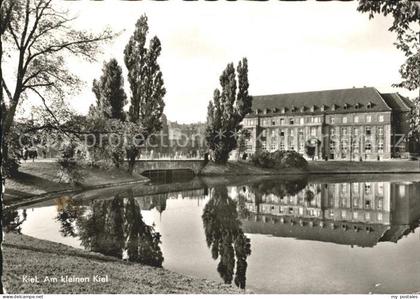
(210, 147)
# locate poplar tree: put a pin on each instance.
(146, 85)
(109, 92)
(225, 113)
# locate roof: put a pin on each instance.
(397, 102)
(326, 234)
(366, 99)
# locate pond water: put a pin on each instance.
(337, 234)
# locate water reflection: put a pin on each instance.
(290, 223)
(12, 220)
(356, 213)
(225, 237)
(113, 227)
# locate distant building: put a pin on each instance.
(187, 139)
(345, 124)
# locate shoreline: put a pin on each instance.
(211, 170)
(106, 274)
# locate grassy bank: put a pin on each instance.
(243, 168)
(234, 168)
(37, 178)
(23, 255)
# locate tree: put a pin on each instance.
(406, 15)
(110, 101)
(38, 38)
(109, 92)
(227, 110)
(146, 85)
(225, 238)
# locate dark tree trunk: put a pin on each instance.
(131, 155)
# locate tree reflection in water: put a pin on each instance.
(12, 220)
(280, 188)
(225, 237)
(113, 227)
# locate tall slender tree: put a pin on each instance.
(227, 110)
(146, 84)
(109, 92)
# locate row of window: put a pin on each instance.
(356, 119)
(344, 131)
(279, 121)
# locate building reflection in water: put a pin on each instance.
(357, 213)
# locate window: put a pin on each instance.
(292, 132)
(273, 133)
(281, 121)
(281, 132)
(368, 188)
(302, 121)
(381, 118)
(368, 130)
(264, 145)
(356, 119)
(344, 119)
(381, 146)
(291, 121)
(368, 147)
(300, 132)
(368, 118)
(282, 146)
(380, 131)
(313, 131)
(273, 122)
(332, 120)
(273, 147)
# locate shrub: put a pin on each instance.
(279, 160)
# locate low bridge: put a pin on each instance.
(154, 165)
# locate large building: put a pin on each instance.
(345, 124)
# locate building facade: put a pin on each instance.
(347, 124)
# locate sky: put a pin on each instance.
(290, 46)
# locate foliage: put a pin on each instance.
(225, 237)
(109, 92)
(37, 38)
(69, 166)
(279, 188)
(279, 159)
(11, 220)
(406, 15)
(228, 108)
(115, 226)
(146, 84)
